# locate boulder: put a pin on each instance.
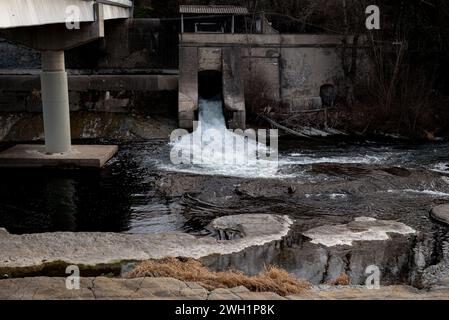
(441, 213)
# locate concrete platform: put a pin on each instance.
(34, 156)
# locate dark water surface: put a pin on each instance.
(122, 197)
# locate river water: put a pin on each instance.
(315, 182)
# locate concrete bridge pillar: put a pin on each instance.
(55, 99)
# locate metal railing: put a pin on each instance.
(118, 3)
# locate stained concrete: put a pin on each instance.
(91, 249)
(102, 288)
(362, 293)
(32, 156)
(290, 69)
(17, 127)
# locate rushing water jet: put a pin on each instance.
(213, 147)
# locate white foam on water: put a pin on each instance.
(442, 167)
(332, 196)
(213, 149)
(422, 192)
(299, 158)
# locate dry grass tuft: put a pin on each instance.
(273, 279)
(341, 280)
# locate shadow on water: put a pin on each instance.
(48, 200)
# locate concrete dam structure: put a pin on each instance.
(294, 72)
(117, 62)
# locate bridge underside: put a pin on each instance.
(25, 13)
(41, 25)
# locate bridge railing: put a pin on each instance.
(117, 3)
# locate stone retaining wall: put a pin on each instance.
(105, 93)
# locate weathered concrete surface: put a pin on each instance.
(90, 249)
(361, 229)
(233, 87)
(102, 288)
(362, 293)
(188, 87)
(209, 59)
(54, 36)
(28, 156)
(441, 213)
(286, 68)
(105, 93)
(21, 13)
(82, 83)
(88, 125)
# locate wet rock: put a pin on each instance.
(3, 232)
(441, 213)
(396, 171)
(361, 229)
(444, 282)
(341, 169)
(235, 227)
(31, 252)
(437, 273)
(320, 264)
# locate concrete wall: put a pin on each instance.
(227, 61)
(103, 93)
(304, 70)
(128, 44)
(289, 69)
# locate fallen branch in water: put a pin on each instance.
(288, 130)
(301, 113)
(305, 132)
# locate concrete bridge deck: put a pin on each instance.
(26, 13)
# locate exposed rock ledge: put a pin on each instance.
(90, 249)
(43, 288)
(361, 229)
